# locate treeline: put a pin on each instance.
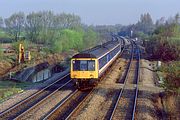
(142, 28)
(165, 46)
(105, 31)
(161, 38)
(165, 40)
(59, 32)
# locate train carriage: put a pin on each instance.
(87, 67)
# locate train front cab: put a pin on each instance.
(84, 71)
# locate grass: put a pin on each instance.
(3, 34)
(9, 88)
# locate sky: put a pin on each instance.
(96, 12)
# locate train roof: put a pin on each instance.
(97, 51)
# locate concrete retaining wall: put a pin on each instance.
(41, 75)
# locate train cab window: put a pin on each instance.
(76, 65)
(83, 65)
(91, 65)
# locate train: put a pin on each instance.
(88, 67)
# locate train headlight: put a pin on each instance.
(91, 76)
(74, 76)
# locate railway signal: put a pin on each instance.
(28, 55)
(23, 55)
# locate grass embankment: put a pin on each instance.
(9, 88)
(170, 80)
(170, 74)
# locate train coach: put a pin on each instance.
(88, 67)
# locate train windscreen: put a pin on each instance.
(83, 65)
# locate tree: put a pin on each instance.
(166, 51)
(47, 27)
(1, 22)
(90, 38)
(42, 26)
(33, 26)
(160, 22)
(167, 37)
(15, 24)
(66, 21)
(177, 18)
(145, 24)
(67, 39)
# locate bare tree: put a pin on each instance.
(145, 24)
(43, 25)
(1, 22)
(160, 21)
(47, 26)
(33, 25)
(66, 21)
(15, 24)
(177, 18)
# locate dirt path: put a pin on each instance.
(149, 103)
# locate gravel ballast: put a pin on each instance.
(29, 91)
(148, 106)
(99, 104)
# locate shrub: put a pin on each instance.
(172, 76)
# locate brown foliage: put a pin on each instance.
(166, 51)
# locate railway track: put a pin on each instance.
(67, 108)
(125, 104)
(28, 103)
(122, 80)
(40, 109)
(69, 105)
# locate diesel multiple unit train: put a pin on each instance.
(88, 66)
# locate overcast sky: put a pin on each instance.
(96, 11)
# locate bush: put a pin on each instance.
(15, 45)
(172, 76)
(89, 38)
(166, 50)
(57, 46)
(67, 39)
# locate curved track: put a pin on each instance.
(71, 103)
(125, 105)
(68, 107)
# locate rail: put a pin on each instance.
(125, 79)
(26, 100)
(65, 109)
(31, 108)
(136, 94)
